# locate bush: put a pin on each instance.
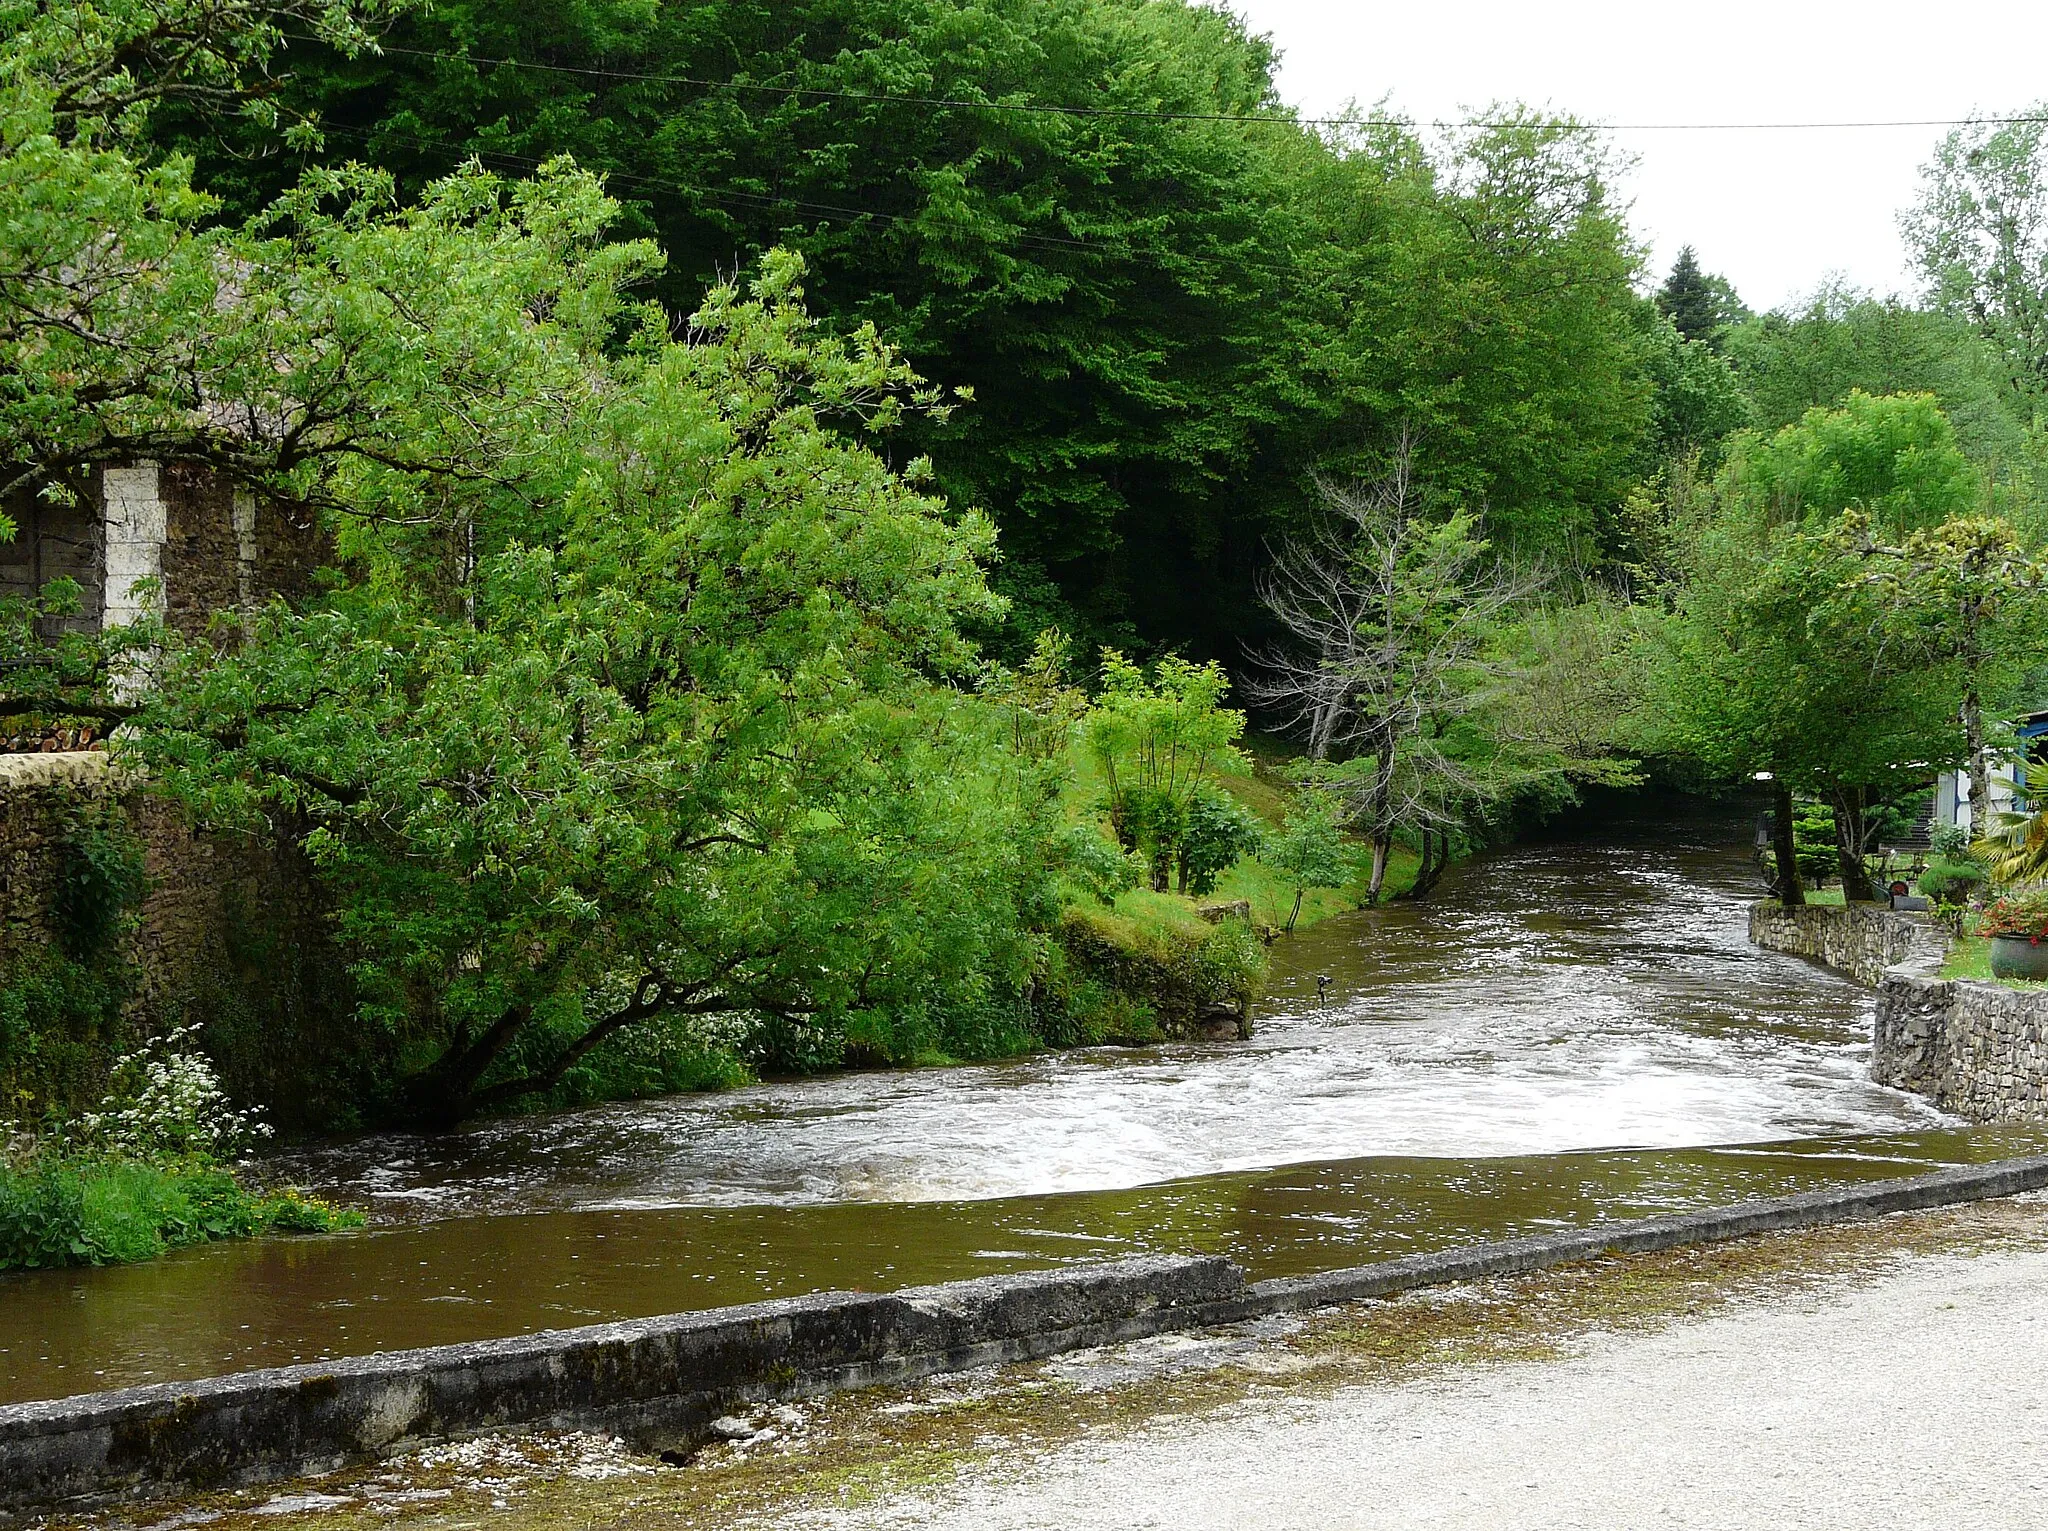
(143, 1174)
(1949, 842)
(1951, 882)
(57, 1210)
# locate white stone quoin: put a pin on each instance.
(136, 527)
(245, 546)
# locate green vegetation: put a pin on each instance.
(146, 1173)
(796, 612)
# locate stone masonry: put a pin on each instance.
(1979, 1050)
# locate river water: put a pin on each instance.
(1572, 1030)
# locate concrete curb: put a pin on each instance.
(661, 1380)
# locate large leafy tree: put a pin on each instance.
(1980, 233)
(636, 692)
(1164, 318)
(1791, 652)
(1842, 341)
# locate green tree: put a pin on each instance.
(1311, 849)
(1980, 233)
(1843, 341)
(1699, 306)
(1966, 594)
(1778, 662)
(1220, 832)
(1893, 458)
(1157, 739)
(1389, 615)
(1165, 321)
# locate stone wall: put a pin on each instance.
(207, 546)
(231, 936)
(1861, 940)
(1979, 1050)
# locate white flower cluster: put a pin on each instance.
(167, 1103)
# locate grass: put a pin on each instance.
(1266, 791)
(63, 1211)
(1969, 957)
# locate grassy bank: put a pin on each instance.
(1970, 957)
(58, 1211)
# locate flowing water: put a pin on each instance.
(1570, 1031)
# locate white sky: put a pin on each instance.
(1775, 212)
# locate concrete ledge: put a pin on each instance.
(661, 1380)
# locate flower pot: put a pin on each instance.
(2018, 957)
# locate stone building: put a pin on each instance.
(207, 545)
(232, 933)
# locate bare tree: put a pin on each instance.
(1387, 611)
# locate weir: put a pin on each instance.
(660, 1381)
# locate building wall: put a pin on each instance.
(209, 546)
(232, 936)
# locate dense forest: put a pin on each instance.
(848, 517)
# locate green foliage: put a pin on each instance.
(1218, 833)
(1311, 850)
(100, 882)
(1980, 233)
(1949, 842)
(1699, 306)
(1132, 979)
(1699, 400)
(1845, 341)
(144, 1174)
(1951, 882)
(60, 1024)
(1156, 738)
(1814, 841)
(57, 1211)
(1153, 312)
(1893, 459)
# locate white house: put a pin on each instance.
(2010, 778)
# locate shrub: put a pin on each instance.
(1951, 882)
(1949, 842)
(143, 1174)
(2017, 914)
(57, 1210)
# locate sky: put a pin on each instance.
(1777, 212)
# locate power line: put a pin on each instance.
(1043, 108)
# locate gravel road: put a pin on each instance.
(1916, 1401)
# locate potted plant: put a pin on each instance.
(2017, 926)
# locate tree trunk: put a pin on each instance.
(1791, 891)
(1980, 768)
(1295, 913)
(1436, 855)
(443, 1093)
(1382, 843)
(1850, 803)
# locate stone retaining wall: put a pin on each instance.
(660, 1381)
(1979, 1050)
(1861, 940)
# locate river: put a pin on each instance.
(1572, 1030)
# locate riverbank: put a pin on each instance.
(1577, 1376)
